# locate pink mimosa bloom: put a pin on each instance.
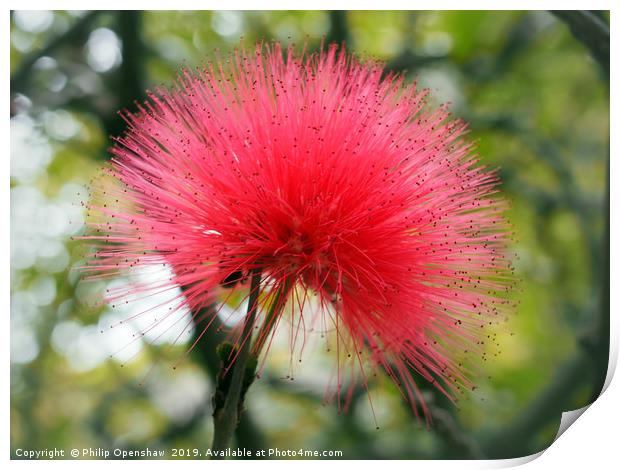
(327, 176)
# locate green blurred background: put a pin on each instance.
(537, 103)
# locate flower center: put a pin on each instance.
(296, 250)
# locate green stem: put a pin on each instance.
(270, 319)
(226, 418)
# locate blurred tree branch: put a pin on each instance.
(128, 83)
(130, 78)
(21, 77)
(338, 28)
(591, 30)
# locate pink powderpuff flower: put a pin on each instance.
(340, 184)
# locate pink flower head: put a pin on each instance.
(335, 181)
